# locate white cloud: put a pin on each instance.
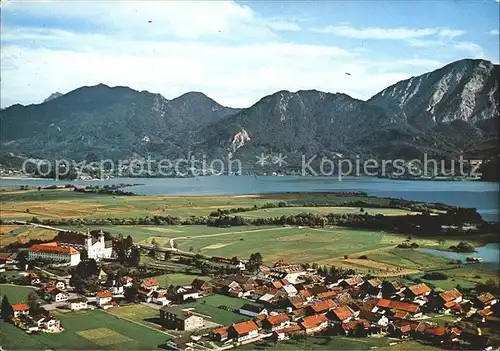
(233, 75)
(494, 32)
(398, 33)
(224, 49)
(474, 49)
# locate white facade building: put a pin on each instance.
(97, 248)
(54, 252)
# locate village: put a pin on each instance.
(272, 303)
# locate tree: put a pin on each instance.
(135, 257)
(7, 310)
(84, 254)
(32, 301)
(22, 259)
(441, 241)
(129, 242)
(255, 261)
(130, 294)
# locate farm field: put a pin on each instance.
(337, 343)
(15, 293)
(209, 306)
(138, 313)
(178, 278)
(85, 330)
(23, 234)
(65, 203)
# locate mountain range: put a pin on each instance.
(445, 113)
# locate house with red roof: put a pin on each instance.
(314, 324)
(276, 322)
(384, 305)
(358, 328)
(243, 331)
(20, 309)
(54, 252)
(417, 291)
(219, 334)
(150, 284)
(445, 301)
(320, 307)
(103, 298)
(340, 314)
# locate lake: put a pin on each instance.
(481, 195)
(489, 253)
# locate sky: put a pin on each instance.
(235, 52)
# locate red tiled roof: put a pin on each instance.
(150, 282)
(103, 294)
(20, 307)
(245, 327)
(53, 291)
(354, 324)
(450, 295)
(127, 278)
(53, 247)
(313, 321)
(398, 305)
(260, 317)
(436, 331)
(323, 306)
(327, 294)
(221, 331)
(419, 289)
(400, 314)
(383, 303)
(342, 312)
(456, 331)
(450, 304)
(278, 319)
(486, 312)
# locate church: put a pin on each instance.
(95, 245)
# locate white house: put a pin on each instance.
(20, 309)
(55, 294)
(78, 303)
(252, 310)
(104, 297)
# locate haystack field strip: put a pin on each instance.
(214, 246)
(103, 336)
